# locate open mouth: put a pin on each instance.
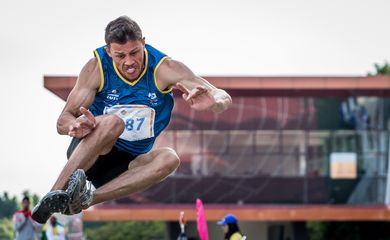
(130, 70)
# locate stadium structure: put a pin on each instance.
(289, 150)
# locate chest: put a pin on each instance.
(120, 93)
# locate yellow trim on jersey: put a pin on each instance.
(101, 70)
(155, 78)
(140, 76)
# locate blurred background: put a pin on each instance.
(303, 152)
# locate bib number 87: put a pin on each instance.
(130, 122)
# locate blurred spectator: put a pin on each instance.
(54, 230)
(230, 227)
(75, 228)
(23, 223)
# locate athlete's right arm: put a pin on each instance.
(75, 120)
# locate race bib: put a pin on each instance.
(138, 119)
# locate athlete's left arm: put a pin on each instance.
(197, 91)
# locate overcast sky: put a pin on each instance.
(251, 38)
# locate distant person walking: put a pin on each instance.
(230, 227)
(23, 223)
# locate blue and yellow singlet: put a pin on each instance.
(145, 109)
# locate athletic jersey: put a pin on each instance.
(144, 108)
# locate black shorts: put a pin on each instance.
(106, 167)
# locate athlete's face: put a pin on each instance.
(128, 58)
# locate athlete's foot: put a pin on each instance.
(80, 194)
(86, 196)
(76, 186)
(82, 202)
(55, 201)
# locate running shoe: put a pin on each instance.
(76, 188)
(55, 201)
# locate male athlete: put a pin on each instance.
(121, 102)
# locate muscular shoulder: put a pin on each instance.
(90, 74)
(171, 72)
(91, 66)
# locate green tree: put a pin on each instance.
(8, 206)
(6, 229)
(127, 230)
(381, 69)
(316, 230)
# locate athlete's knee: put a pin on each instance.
(112, 125)
(170, 159)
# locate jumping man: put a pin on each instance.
(121, 102)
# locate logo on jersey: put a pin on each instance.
(113, 96)
(153, 98)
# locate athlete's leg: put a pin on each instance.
(144, 171)
(98, 142)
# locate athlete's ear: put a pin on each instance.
(143, 41)
(108, 50)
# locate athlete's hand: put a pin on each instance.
(198, 98)
(83, 125)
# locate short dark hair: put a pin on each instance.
(26, 198)
(121, 30)
(232, 229)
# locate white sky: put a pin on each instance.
(247, 37)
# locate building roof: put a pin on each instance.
(270, 86)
